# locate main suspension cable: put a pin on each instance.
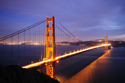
(67, 30)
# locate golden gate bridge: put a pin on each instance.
(48, 39)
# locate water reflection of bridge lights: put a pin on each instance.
(63, 56)
(57, 61)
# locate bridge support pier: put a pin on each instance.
(50, 69)
(50, 46)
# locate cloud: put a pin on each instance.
(118, 37)
(103, 16)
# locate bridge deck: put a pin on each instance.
(62, 56)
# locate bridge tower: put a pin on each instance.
(106, 42)
(50, 46)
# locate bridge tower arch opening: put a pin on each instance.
(50, 46)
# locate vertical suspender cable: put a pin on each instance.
(64, 41)
(55, 41)
(11, 51)
(57, 36)
(44, 40)
(39, 41)
(30, 46)
(3, 54)
(24, 47)
(18, 51)
(36, 43)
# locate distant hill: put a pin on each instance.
(96, 42)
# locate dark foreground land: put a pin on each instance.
(16, 74)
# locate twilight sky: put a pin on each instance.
(86, 19)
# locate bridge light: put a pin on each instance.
(31, 62)
(76, 37)
(111, 46)
(43, 58)
(45, 63)
(71, 38)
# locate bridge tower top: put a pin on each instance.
(106, 42)
(106, 39)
